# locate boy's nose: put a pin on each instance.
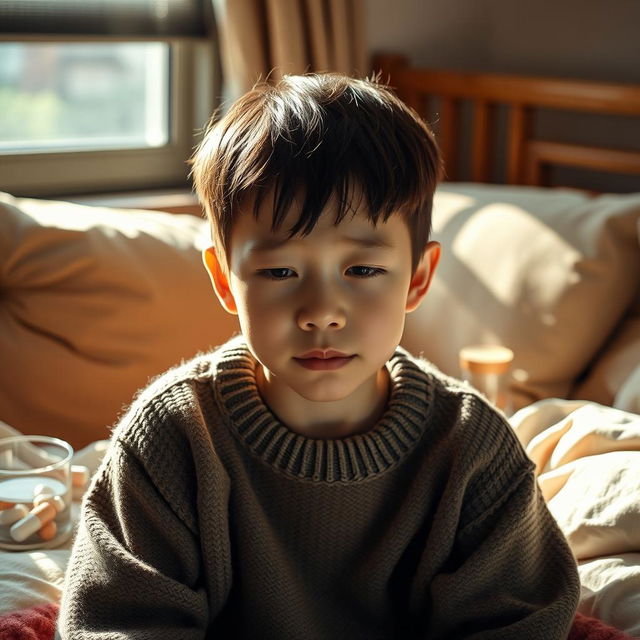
(321, 318)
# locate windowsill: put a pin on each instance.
(171, 201)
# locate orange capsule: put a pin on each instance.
(79, 475)
(48, 532)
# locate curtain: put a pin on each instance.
(265, 39)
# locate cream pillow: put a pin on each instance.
(548, 273)
(616, 362)
(95, 301)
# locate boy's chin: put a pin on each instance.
(332, 389)
(324, 395)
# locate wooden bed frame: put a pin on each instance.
(527, 159)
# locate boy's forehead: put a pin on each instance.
(356, 226)
(360, 238)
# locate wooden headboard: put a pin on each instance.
(527, 159)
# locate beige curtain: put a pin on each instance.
(262, 39)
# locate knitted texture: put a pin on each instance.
(209, 518)
(36, 623)
(587, 628)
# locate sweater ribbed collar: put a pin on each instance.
(353, 458)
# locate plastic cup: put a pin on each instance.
(33, 466)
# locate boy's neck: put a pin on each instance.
(358, 413)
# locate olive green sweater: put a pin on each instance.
(210, 519)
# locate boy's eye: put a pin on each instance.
(366, 272)
(282, 273)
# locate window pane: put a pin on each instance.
(83, 96)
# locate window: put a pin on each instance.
(79, 96)
(82, 117)
(103, 95)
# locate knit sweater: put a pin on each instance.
(210, 519)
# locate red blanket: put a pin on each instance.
(38, 623)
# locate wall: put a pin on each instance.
(588, 39)
(583, 39)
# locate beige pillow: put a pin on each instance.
(95, 301)
(548, 273)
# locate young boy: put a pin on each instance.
(310, 479)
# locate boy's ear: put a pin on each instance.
(421, 279)
(219, 280)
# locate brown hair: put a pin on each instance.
(320, 135)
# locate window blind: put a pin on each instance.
(106, 18)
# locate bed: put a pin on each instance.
(96, 300)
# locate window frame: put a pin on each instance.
(56, 173)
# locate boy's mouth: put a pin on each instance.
(323, 354)
(323, 364)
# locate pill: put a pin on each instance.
(48, 532)
(43, 490)
(33, 521)
(10, 516)
(56, 501)
(79, 475)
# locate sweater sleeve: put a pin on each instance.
(512, 574)
(135, 569)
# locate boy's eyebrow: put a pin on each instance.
(365, 242)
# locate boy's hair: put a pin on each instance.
(318, 136)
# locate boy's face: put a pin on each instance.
(345, 289)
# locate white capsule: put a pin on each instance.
(33, 521)
(56, 501)
(9, 516)
(43, 490)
